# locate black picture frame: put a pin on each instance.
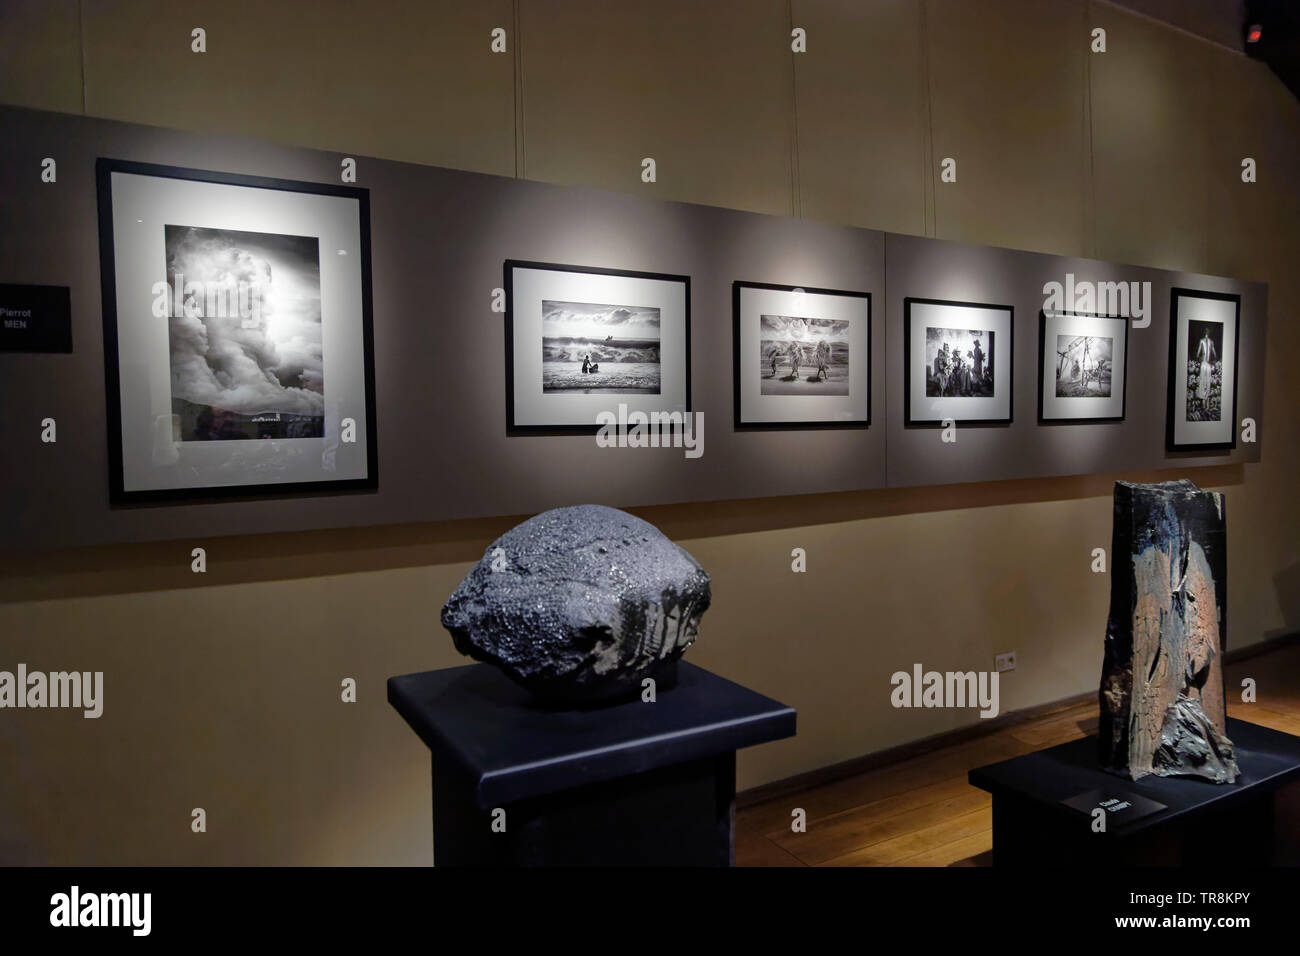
(513, 428)
(1171, 381)
(908, 420)
(1042, 383)
(118, 494)
(737, 423)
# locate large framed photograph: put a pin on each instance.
(1082, 367)
(1202, 389)
(581, 341)
(801, 356)
(956, 362)
(238, 344)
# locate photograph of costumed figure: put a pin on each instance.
(1204, 371)
(1204, 346)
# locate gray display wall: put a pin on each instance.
(439, 239)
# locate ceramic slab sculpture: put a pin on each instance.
(1162, 697)
(580, 604)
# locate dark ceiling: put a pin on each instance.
(1229, 23)
(1278, 45)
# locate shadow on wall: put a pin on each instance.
(164, 565)
(1287, 583)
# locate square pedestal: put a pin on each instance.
(633, 783)
(1042, 808)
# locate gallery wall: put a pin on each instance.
(439, 238)
(439, 241)
(223, 691)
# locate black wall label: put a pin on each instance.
(35, 318)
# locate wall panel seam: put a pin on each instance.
(796, 198)
(1090, 173)
(929, 198)
(521, 164)
(81, 45)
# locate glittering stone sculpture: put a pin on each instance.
(1162, 698)
(580, 604)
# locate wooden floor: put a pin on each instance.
(922, 812)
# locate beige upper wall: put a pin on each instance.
(412, 80)
(223, 695)
(1008, 103)
(40, 55)
(862, 114)
(1151, 133)
(1058, 149)
(606, 85)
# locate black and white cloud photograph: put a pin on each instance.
(594, 348)
(245, 334)
(802, 356)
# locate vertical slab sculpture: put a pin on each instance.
(1162, 697)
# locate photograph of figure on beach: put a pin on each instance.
(583, 342)
(594, 348)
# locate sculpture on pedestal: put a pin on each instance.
(580, 604)
(1162, 697)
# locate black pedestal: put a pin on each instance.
(632, 783)
(1168, 821)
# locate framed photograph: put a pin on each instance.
(956, 362)
(1202, 410)
(801, 356)
(581, 341)
(1082, 367)
(238, 345)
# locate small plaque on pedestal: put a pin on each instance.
(1124, 806)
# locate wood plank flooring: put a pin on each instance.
(922, 812)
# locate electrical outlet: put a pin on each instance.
(1005, 662)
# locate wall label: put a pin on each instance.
(35, 318)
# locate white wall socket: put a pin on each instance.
(1005, 662)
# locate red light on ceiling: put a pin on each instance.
(1253, 34)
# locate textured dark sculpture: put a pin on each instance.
(580, 604)
(1162, 697)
